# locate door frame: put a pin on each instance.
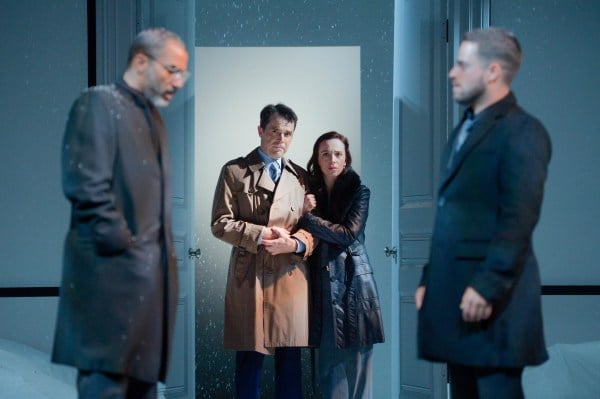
(455, 17)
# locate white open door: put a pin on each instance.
(420, 105)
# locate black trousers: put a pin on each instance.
(99, 385)
(288, 374)
(467, 382)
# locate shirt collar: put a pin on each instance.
(267, 159)
(469, 114)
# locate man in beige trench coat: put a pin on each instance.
(257, 205)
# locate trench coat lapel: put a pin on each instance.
(288, 180)
(263, 180)
(260, 175)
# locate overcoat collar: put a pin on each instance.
(150, 110)
(483, 126)
(138, 96)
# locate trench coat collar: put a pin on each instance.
(264, 181)
(482, 126)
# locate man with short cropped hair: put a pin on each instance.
(479, 296)
(258, 202)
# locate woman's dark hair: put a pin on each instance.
(312, 166)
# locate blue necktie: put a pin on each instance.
(461, 137)
(274, 171)
(464, 132)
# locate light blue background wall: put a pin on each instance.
(44, 67)
(44, 53)
(559, 83)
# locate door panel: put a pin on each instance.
(420, 94)
(178, 16)
(430, 36)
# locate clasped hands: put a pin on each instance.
(278, 240)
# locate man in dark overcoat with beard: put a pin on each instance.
(118, 294)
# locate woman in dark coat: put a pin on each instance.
(345, 316)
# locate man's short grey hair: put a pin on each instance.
(151, 42)
(496, 44)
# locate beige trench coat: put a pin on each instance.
(266, 299)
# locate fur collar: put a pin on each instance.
(337, 205)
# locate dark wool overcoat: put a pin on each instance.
(119, 284)
(489, 203)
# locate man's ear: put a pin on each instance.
(260, 131)
(140, 62)
(494, 72)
